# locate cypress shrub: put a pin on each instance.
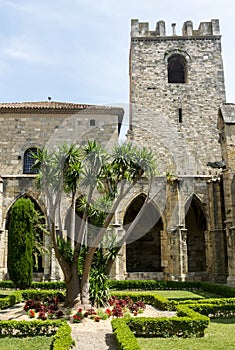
(21, 243)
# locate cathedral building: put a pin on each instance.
(178, 110)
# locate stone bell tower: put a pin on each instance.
(176, 88)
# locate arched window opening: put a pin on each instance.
(177, 69)
(29, 161)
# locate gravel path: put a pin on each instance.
(91, 335)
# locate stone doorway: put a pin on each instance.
(143, 247)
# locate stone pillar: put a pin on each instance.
(184, 252)
(3, 254)
(219, 270)
(231, 256)
(165, 255)
(118, 270)
(179, 253)
(47, 258)
(56, 272)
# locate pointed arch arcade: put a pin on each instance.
(143, 247)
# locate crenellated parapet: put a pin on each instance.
(141, 29)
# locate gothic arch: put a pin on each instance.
(143, 248)
(196, 225)
(37, 206)
(22, 195)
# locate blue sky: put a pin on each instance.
(77, 50)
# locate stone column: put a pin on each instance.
(56, 272)
(184, 252)
(118, 270)
(3, 254)
(231, 256)
(179, 253)
(219, 270)
(165, 255)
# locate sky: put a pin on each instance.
(78, 50)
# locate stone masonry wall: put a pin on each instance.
(20, 131)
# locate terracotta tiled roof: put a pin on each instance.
(42, 105)
(53, 106)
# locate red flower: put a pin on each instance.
(77, 318)
(108, 312)
(31, 313)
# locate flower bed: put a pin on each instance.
(117, 308)
(48, 309)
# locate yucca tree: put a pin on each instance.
(100, 180)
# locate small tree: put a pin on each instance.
(21, 243)
(102, 180)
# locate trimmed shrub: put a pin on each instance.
(214, 310)
(43, 294)
(62, 340)
(10, 300)
(28, 328)
(124, 336)
(21, 243)
(6, 285)
(35, 285)
(225, 291)
(152, 285)
(165, 327)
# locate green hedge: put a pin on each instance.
(10, 300)
(125, 330)
(152, 285)
(220, 289)
(28, 328)
(19, 296)
(62, 340)
(218, 301)
(124, 336)
(7, 285)
(42, 294)
(35, 285)
(214, 310)
(166, 327)
(60, 330)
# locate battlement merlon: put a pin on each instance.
(141, 29)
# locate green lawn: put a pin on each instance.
(177, 294)
(29, 343)
(220, 335)
(185, 294)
